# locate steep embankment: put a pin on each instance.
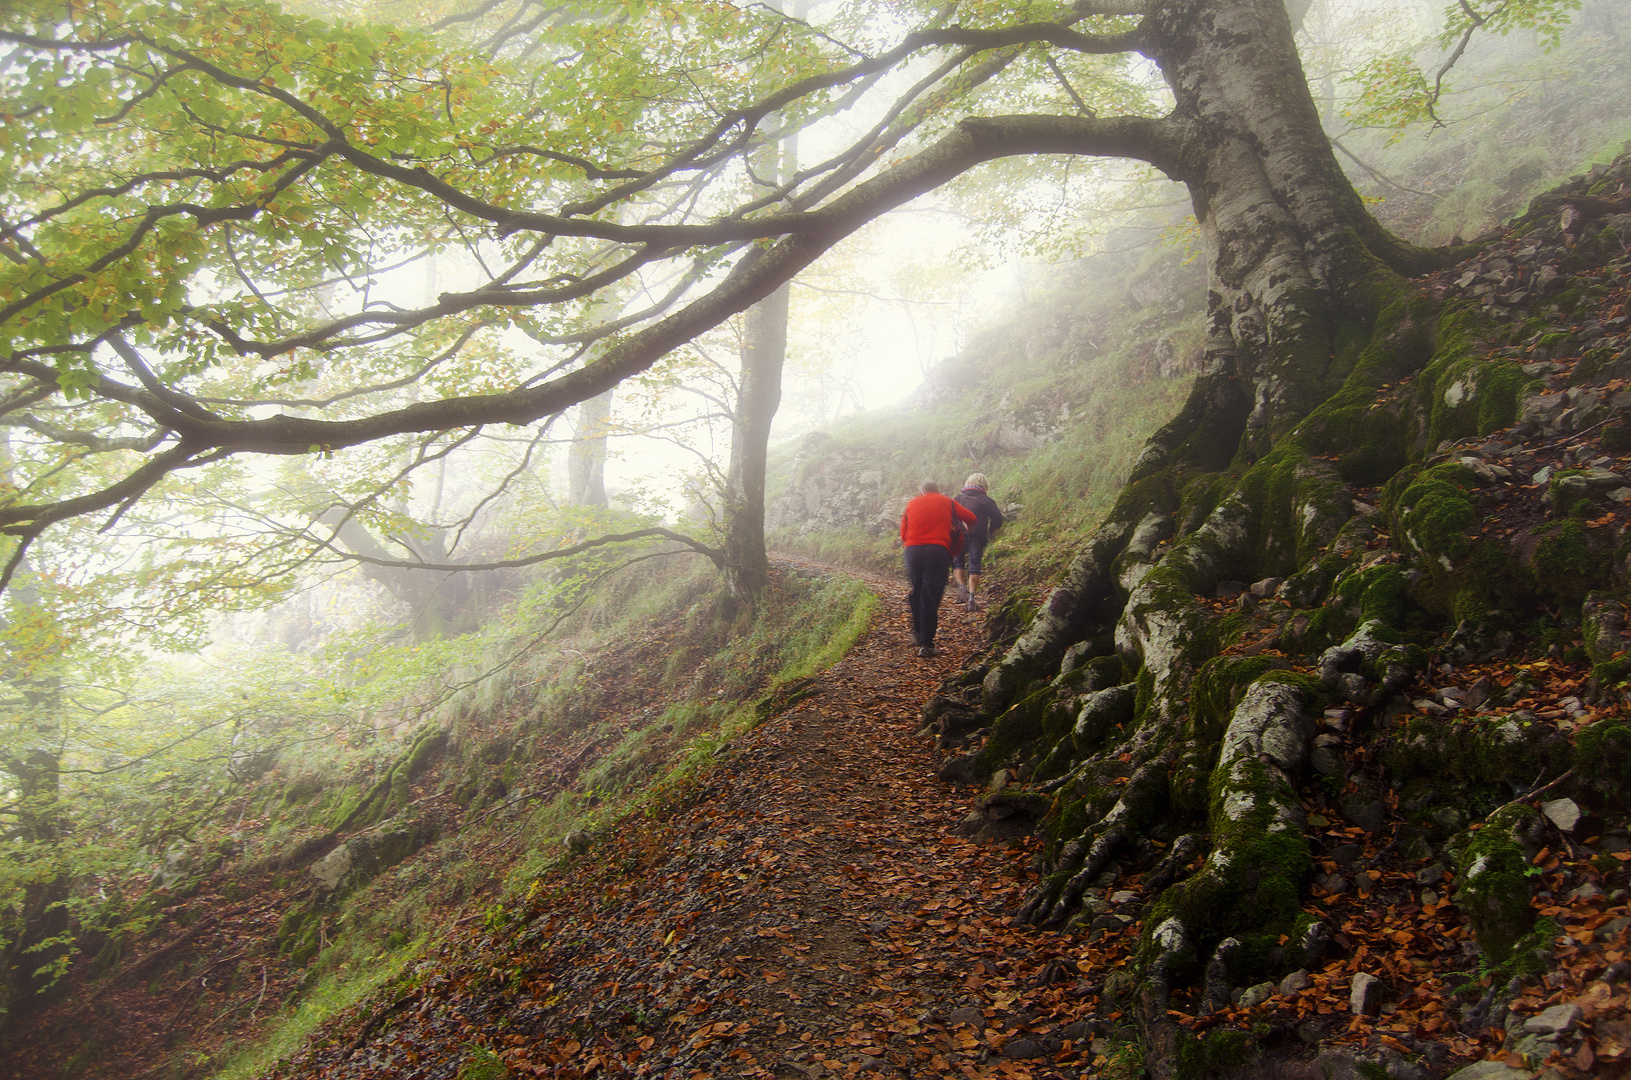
(1349, 711)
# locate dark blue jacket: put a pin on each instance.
(986, 509)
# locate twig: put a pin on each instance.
(1388, 180)
(262, 996)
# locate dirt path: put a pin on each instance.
(811, 912)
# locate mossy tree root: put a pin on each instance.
(1251, 882)
(1083, 859)
(1083, 606)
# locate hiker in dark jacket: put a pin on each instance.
(926, 527)
(965, 568)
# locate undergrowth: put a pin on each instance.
(505, 849)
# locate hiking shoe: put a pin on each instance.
(971, 605)
(926, 650)
(962, 595)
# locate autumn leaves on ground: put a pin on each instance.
(807, 907)
(810, 909)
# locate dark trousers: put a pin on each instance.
(927, 567)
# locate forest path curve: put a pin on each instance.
(811, 912)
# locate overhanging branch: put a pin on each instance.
(714, 554)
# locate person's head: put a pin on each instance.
(975, 480)
(929, 486)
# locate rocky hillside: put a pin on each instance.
(1375, 677)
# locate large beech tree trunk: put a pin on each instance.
(1302, 282)
(1292, 249)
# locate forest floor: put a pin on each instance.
(810, 910)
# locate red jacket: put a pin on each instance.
(927, 519)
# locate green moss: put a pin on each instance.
(423, 752)
(1100, 715)
(1215, 1052)
(1494, 890)
(1252, 882)
(1201, 496)
(1190, 774)
(1371, 441)
(1068, 818)
(1379, 592)
(1145, 692)
(351, 797)
(481, 1063)
(1298, 505)
(1478, 751)
(302, 789)
(1217, 689)
(1020, 725)
(1434, 511)
(1603, 753)
(1564, 562)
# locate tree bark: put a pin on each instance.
(1298, 273)
(440, 604)
(586, 457)
(759, 394)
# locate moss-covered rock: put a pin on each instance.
(364, 856)
(1495, 885)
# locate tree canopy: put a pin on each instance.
(244, 229)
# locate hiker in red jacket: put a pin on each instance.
(926, 529)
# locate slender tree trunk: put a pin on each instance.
(759, 395)
(586, 457)
(34, 763)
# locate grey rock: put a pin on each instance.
(1313, 1032)
(1368, 814)
(1562, 812)
(1345, 854)
(1267, 587)
(1349, 686)
(968, 1014)
(1125, 896)
(1490, 1070)
(1400, 1067)
(1326, 761)
(1256, 995)
(1335, 1064)
(1365, 994)
(1430, 875)
(1297, 980)
(367, 854)
(1602, 479)
(1558, 1020)
(1533, 1048)
(1018, 1049)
